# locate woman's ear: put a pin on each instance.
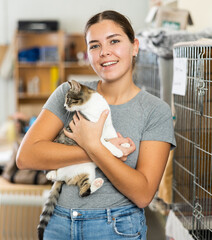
(135, 47)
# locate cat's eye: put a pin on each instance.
(75, 100)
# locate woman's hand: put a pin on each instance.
(119, 141)
(87, 134)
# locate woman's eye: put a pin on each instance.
(94, 46)
(115, 41)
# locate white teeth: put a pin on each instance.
(108, 63)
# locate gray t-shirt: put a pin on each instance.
(145, 117)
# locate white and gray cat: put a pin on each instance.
(90, 104)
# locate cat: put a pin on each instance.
(90, 104)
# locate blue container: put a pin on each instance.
(29, 55)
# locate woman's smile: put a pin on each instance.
(109, 63)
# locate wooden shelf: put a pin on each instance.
(37, 64)
(48, 73)
(75, 65)
(33, 95)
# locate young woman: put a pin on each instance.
(116, 211)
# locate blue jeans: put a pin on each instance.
(127, 222)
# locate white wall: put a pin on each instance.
(201, 12)
(3, 22)
(72, 14)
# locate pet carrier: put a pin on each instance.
(192, 183)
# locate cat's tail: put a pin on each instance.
(49, 208)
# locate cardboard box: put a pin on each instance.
(169, 17)
(169, 3)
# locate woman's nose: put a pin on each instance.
(105, 51)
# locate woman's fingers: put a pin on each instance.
(132, 144)
(68, 134)
(128, 150)
(119, 135)
(76, 117)
(126, 145)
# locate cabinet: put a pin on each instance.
(44, 60)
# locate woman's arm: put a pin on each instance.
(37, 151)
(139, 184)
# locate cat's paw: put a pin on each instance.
(116, 152)
(52, 175)
(112, 148)
(96, 184)
(125, 145)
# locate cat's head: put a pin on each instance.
(77, 95)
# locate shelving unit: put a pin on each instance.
(73, 44)
(47, 74)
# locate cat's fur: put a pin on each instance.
(90, 104)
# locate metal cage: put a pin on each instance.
(192, 185)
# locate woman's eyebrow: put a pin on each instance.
(93, 41)
(113, 35)
(108, 37)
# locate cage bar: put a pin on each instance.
(147, 72)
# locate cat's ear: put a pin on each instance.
(75, 86)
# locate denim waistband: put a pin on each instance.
(86, 214)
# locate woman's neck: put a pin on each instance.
(117, 93)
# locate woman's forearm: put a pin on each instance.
(47, 155)
(38, 151)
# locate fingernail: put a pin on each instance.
(106, 112)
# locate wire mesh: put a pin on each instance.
(147, 76)
(192, 185)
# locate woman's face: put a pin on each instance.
(110, 51)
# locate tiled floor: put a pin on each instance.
(155, 224)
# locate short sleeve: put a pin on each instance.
(159, 125)
(55, 103)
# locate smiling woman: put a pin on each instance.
(109, 48)
(116, 210)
